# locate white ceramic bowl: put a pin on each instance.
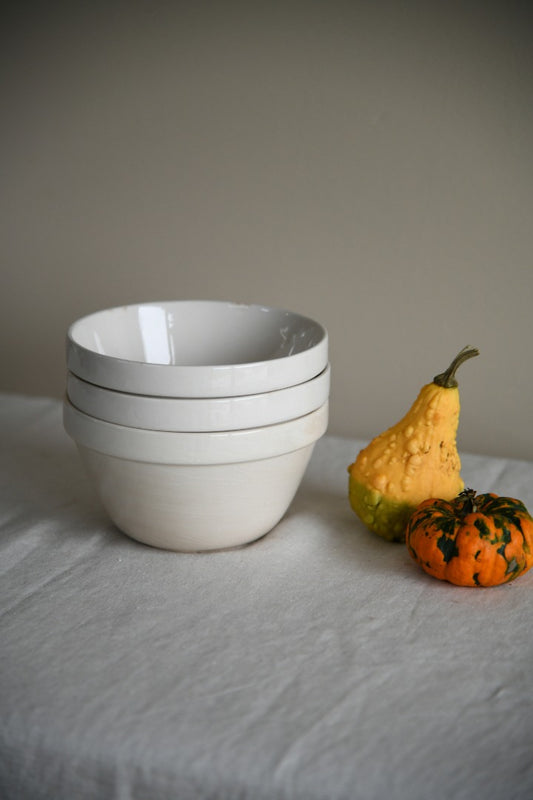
(177, 447)
(165, 490)
(199, 414)
(196, 348)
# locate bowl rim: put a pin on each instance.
(209, 447)
(198, 414)
(178, 380)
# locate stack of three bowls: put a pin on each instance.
(196, 419)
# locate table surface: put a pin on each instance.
(318, 662)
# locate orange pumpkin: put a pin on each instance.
(473, 540)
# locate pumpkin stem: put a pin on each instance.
(468, 504)
(447, 379)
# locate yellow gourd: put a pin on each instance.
(414, 460)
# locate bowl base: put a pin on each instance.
(193, 508)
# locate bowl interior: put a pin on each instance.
(196, 333)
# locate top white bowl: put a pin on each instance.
(196, 348)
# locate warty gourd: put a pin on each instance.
(414, 460)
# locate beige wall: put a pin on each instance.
(368, 164)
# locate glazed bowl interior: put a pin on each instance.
(196, 333)
(196, 348)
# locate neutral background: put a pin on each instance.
(365, 163)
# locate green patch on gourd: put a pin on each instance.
(448, 548)
(383, 516)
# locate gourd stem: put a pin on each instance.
(447, 379)
(468, 505)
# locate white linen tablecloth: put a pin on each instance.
(318, 662)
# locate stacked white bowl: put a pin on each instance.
(196, 419)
